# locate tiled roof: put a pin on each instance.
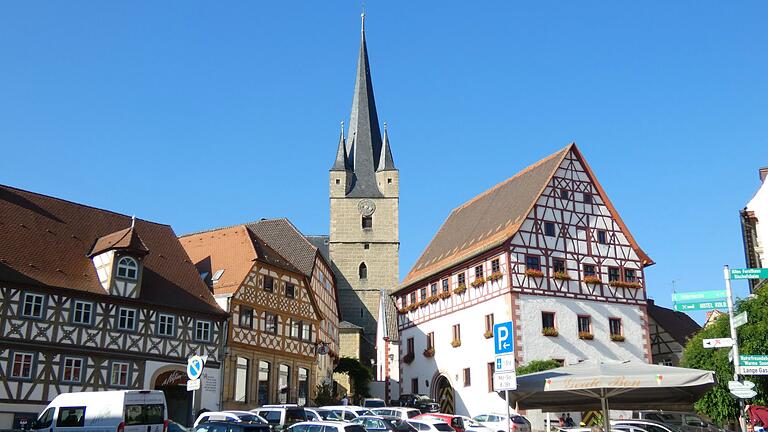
(678, 324)
(321, 243)
(126, 239)
(288, 241)
(45, 241)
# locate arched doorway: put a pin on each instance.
(445, 395)
(178, 400)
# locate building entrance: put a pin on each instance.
(445, 395)
(178, 400)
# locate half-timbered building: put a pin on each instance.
(94, 300)
(669, 331)
(544, 249)
(754, 229)
(280, 294)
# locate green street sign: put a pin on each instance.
(753, 360)
(697, 306)
(699, 295)
(750, 273)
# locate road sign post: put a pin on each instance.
(504, 376)
(740, 319)
(195, 365)
(736, 358)
(700, 305)
(699, 296)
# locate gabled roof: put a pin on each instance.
(491, 218)
(125, 239)
(678, 324)
(288, 241)
(387, 319)
(45, 241)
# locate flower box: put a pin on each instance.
(561, 276)
(408, 358)
(623, 284)
(495, 276)
(423, 303)
(586, 335)
(488, 334)
(617, 338)
(460, 289)
(429, 352)
(444, 295)
(411, 307)
(477, 282)
(433, 299)
(456, 343)
(549, 331)
(403, 311)
(593, 280)
(534, 273)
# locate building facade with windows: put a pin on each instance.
(754, 227)
(545, 250)
(669, 332)
(85, 306)
(281, 298)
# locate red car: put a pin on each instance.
(456, 422)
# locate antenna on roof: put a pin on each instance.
(133, 221)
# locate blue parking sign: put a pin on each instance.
(503, 338)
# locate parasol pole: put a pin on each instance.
(606, 418)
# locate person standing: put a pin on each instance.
(345, 400)
(569, 421)
(561, 420)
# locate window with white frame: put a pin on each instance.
(72, 370)
(32, 306)
(296, 329)
(306, 331)
(118, 376)
(126, 319)
(82, 312)
(166, 325)
(127, 268)
(21, 366)
(203, 331)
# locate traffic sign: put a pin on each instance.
(699, 295)
(193, 385)
(744, 394)
(504, 381)
(750, 273)
(503, 338)
(696, 306)
(753, 370)
(195, 367)
(718, 343)
(505, 363)
(740, 319)
(735, 385)
(753, 360)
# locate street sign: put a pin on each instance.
(504, 381)
(504, 363)
(735, 385)
(718, 343)
(753, 370)
(750, 273)
(195, 367)
(696, 306)
(744, 394)
(740, 319)
(193, 385)
(753, 360)
(699, 295)
(503, 338)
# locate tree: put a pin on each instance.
(718, 403)
(324, 395)
(537, 366)
(359, 375)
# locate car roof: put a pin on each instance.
(351, 407)
(426, 420)
(321, 423)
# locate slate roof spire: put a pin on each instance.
(386, 163)
(342, 160)
(364, 143)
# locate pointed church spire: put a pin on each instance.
(364, 137)
(342, 160)
(386, 163)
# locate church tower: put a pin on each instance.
(364, 195)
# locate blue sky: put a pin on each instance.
(201, 115)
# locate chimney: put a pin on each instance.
(763, 173)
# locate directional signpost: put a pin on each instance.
(195, 365)
(740, 319)
(698, 296)
(718, 343)
(697, 306)
(504, 376)
(743, 390)
(751, 273)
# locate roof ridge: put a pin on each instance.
(303, 237)
(77, 204)
(229, 226)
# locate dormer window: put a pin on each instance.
(127, 268)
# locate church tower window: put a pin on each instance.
(363, 271)
(127, 268)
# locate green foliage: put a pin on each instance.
(537, 366)
(359, 374)
(718, 403)
(324, 395)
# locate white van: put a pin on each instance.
(105, 411)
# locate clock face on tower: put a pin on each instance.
(366, 207)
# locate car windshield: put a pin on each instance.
(294, 415)
(519, 420)
(363, 412)
(328, 415)
(443, 427)
(250, 418)
(375, 403)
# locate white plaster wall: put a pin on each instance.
(475, 353)
(567, 345)
(759, 205)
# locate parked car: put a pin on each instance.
(645, 426)
(471, 425)
(687, 421)
(230, 416)
(498, 422)
(281, 416)
(227, 426)
(454, 421)
(373, 403)
(325, 426)
(400, 412)
(129, 410)
(348, 412)
(374, 424)
(175, 427)
(329, 415)
(430, 425)
(421, 402)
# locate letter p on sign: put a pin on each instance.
(503, 338)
